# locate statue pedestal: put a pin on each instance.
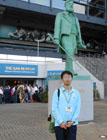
(85, 87)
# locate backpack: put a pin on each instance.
(51, 119)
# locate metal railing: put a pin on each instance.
(89, 5)
(95, 65)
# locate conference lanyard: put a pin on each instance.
(67, 100)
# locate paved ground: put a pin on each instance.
(29, 122)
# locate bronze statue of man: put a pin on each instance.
(67, 34)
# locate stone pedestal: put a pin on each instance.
(85, 87)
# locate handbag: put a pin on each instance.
(52, 119)
(52, 125)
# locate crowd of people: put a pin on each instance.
(20, 93)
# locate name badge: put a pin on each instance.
(68, 109)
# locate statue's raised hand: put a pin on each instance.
(82, 45)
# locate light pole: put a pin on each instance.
(38, 42)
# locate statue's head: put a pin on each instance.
(69, 5)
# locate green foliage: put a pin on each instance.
(44, 97)
(96, 94)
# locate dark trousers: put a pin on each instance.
(68, 134)
(7, 100)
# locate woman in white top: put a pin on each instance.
(1, 93)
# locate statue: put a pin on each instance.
(67, 34)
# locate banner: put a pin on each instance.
(52, 73)
(18, 69)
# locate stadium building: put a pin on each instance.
(28, 55)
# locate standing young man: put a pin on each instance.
(66, 109)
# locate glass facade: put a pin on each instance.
(96, 8)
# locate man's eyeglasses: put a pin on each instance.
(67, 78)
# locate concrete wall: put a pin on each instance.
(85, 88)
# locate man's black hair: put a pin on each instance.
(66, 72)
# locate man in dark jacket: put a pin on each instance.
(7, 95)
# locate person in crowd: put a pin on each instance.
(7, 94)
(20, 93)
(22, 96)
(11, 95)
(1, 94)
(26, 92)
(8, 86)
(13, 89)
(30, 91)
(34, 88)
(40, 91)
(35, 97)
(16, 94)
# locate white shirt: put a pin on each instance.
(28, 88)
(34, 89)
(1, 92)
(13, 89)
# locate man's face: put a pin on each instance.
(69, 6)
(67, 79)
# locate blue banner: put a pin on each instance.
(18, 69)
(52, 73)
